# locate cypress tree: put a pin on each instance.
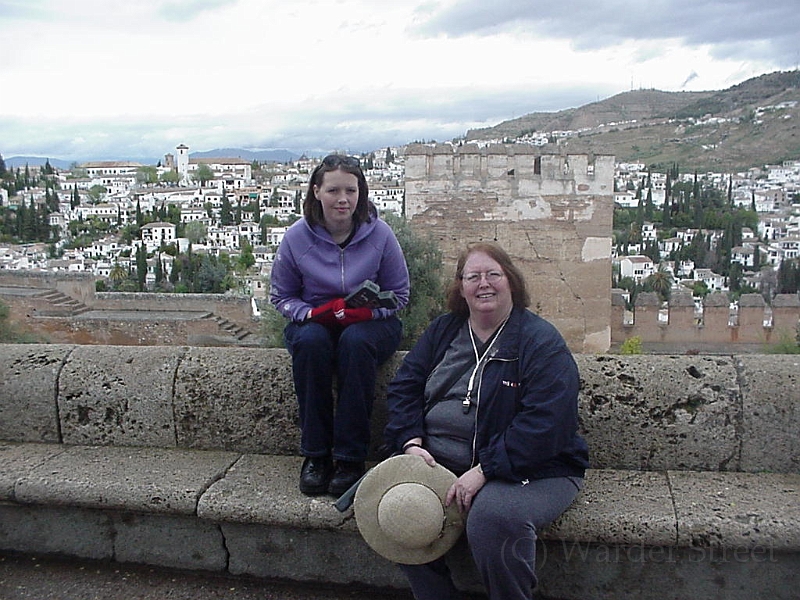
(225, 214)
(666, 219)
(159, 270)
(730, 190)
(257, 212)
(141, 267)
(31, 224)
(640, 210)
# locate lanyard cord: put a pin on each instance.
(479, 362)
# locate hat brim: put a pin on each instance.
(400, 469)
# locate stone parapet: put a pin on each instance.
(187, 457)
(651, 412)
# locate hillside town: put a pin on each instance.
(217, 206)
(227, 206)
(770, 192)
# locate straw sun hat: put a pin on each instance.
(400, 512)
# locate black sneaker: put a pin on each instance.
(315, 475)
(344, 476)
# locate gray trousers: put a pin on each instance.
(501, 533)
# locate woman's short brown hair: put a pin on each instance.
(516, 282)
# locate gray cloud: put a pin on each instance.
(736, 29)
(389, 119)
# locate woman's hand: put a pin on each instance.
(465, 488)
(414, 447)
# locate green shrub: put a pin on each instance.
(786, 345)
(632, 345)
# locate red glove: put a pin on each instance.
(355, 315)
(329, 313)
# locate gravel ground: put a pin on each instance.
(24, 577)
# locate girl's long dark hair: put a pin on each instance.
(312, 208)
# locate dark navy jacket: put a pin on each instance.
(527, 404)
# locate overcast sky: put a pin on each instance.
(105, 79)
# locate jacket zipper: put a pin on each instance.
(478, 406)
(341, 262)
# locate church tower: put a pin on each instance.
(183, 162)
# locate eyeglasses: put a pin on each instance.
(475, 277)
(334, 160)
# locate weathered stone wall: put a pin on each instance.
(146, 332)
(552, 213)
(79, 286)
(721, 413)
(76, 314)
(236, 307)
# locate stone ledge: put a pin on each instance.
(631, 531)
(670, 508)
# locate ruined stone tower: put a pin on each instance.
(551, 212)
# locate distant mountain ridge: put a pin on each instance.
(260, 155)
(251, 155)
(36, 161)
(726, 130)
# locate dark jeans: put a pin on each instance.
(501, 532)
(341, 428)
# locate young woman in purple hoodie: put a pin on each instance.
(339, 243)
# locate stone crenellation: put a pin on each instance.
(551, 212)
(713, 326)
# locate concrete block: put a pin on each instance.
(118, 395)
(665, 412)
(263, 489)
(150, 480)
(758, 512)
(54, 530)
(307, 555)
(17, 460)
(168, 541)
(771, 413)
(620, 508)
(234, 398)
(28, 382)
(575, 571)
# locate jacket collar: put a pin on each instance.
(508, 346)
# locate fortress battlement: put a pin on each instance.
(714, 325)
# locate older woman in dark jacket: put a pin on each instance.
(490, 392)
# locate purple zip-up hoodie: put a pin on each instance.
(311, 269)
